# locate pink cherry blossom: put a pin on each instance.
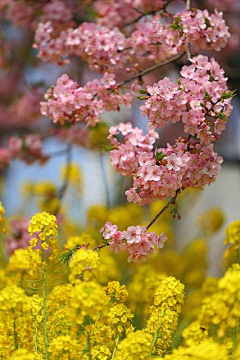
(136, 241)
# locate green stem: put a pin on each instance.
(15, 335)
(115, 347)
(234, 338)
(157, 333)
(237, 256)
(44, 294)
(213, 331)
(89, 348)
(36, 341)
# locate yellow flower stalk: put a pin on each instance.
(44, 227)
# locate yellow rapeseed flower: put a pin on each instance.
(136, 345)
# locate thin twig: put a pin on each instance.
(63, 188)
(171, 201)
(188, 4)
(162, 10)
(188, 51)
(44, 295)
(100, 246)
(105, 180)
(57, 153)
(152, 68)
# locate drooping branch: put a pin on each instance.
(171, 201)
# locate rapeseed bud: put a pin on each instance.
(100, 352)
(44, 226)
(136, 345)
(19, 261)
(207, 350)
(115, 292)
(164, 314)
(84, 238)
(64, 347)
(83, 265)
(144, 283)
(170, 294)
(88, 301)
(211, 220)
(107, 261)
(120, 318)
(22, 354)
(194, 334)
(233, 233)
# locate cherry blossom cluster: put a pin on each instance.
(57, 11)
(186, 164)
(28, 14)
(69, 102)
(203, 30)
(23, 109)
(159, 42)
(27, 148)
(155, 41)
(17, 11)
(110, 49)
(201, 100)
(75, 134)
(159, 173)
(130, 146)
(99, 46)
(19, 236)
(136, 241)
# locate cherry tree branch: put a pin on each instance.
(63, 188)
(152, 68)
(188, 4)
(57, 153)
(162, 10)
(171, 201)
(100, 246)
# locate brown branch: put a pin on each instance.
(152, 68)
(171, 201)
(162, 10)
(62, 191)
(100, 246)
(57, 153)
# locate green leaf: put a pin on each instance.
(142, 97)
(108, 148)
(176, 25)
(207, 22)
(229, 94)
(159, 156)
(221, 115)
(207, 96)
(142, 91)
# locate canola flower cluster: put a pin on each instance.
(71, 301)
